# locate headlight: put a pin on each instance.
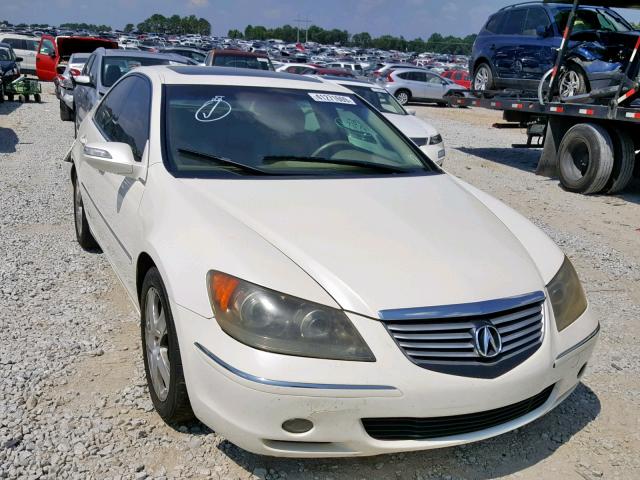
(275, 322)
(567, 296)
(435, 140)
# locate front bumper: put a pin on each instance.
(246, 394)
(435, 152)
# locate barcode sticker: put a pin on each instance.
(329, 98)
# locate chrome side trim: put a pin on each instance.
(579, 344)
(281, 383)
(463, 309)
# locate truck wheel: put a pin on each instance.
(624, 160)
(66, 114)
(585, 158)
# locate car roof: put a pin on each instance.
(349, 81)
(237, 53)
(196, 75)
(115, 52)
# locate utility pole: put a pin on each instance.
(302, 21)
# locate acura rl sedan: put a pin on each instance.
(309, 282)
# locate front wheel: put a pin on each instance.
(162, 361)
(572, 81)
(66, 114)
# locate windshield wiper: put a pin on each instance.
(225, 161)
(351, 163)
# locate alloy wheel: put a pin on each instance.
(157, 344)
(403, 98)
(481, 79)
(570, 83)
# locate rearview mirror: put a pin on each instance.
(82, 80)
(19, 59)
(112, 157)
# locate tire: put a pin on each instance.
(624, 160)
(10, 97)
(21, 98)
(161, 352)
(572, 81)
(403, 96)
(83, 232)
(66, 114)
(37, 98)
(585, 158)
(483, 78)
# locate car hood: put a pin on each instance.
(382, 243)
(411, 126)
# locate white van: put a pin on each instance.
(24, 46)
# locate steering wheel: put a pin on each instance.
(329, 145)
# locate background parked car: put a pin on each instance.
(238, 59)
(193, 53)
(459, 77)
(24, 47)
(411, 84)
(105, 67)
(519, 44)
(423, 134)
(54, 52)
(64, 85)
(9, 68)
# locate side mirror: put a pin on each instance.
(19, 59)
(411, 111)
(82, 80)
(52, 54)
(112, 157)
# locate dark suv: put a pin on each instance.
(520, 43)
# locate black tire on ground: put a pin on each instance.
(585, 158)
(403, 96)
(175, 408)
(21, 98)
(483, 78)
(624, 160)
(572, 81)
(66, 114)
(37, 98)
(10, 97)
(83, 232)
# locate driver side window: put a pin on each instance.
(47, 47)
(124, 114)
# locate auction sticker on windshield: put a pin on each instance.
(328, 98)
(215, 109)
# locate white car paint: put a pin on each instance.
(362, 245)
(415, 127)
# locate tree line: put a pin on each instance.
(435, 43)
(89, 27)
(173, 25)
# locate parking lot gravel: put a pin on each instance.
(73, 400)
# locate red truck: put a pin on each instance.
(54, 52)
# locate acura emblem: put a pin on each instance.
(488, 341)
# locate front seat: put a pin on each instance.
(112, 74)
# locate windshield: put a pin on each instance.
(6, 54)
(213, 131)
(241, 61)
(379, 98)
(592, 19)
(115, 67)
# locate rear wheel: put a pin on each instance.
(83, 233)
(403, 96)
(162, 361)
(66, 114)
(585, 158)
(483, 78)
(624, 159)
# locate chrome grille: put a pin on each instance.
(442, 338)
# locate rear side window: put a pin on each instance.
(31, 45)
(255, 63)
(123, 116)
(494, 25)
(514, 23)
(536, 18)
(16, 43)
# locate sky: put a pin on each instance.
(410, 18)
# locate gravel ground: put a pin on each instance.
(73, 402)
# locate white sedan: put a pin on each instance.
(420, 132)
(310, 283)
